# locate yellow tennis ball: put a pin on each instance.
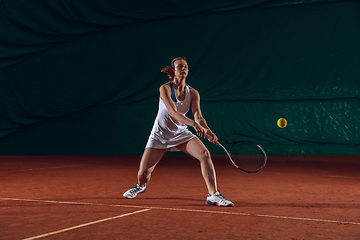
(282, 122)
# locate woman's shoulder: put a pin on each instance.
(193, 92)
(165, 85)
(165, 88)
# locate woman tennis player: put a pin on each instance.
(170, 133)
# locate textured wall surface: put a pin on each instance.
(82, 77)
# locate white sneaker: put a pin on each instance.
(134, 191)
(218, 200)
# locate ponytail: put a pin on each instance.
(169, 71)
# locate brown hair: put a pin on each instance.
(169, 70)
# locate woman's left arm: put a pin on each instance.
(195, 105)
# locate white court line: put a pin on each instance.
(86, 224)
(343, 177)
(186, 210)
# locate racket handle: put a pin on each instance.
(207, 136)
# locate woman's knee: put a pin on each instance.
(204, 155)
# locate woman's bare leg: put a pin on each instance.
(150, 158)
(197, 149)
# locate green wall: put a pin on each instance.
(82, 77)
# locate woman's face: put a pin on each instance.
(181, 69)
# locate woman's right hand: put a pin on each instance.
(199, 129)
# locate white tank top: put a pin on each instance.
(167, 132)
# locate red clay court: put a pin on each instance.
(79, 197)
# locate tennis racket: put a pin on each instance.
(246, 156)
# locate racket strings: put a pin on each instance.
(248, 156)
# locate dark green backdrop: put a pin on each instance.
(82, 77)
